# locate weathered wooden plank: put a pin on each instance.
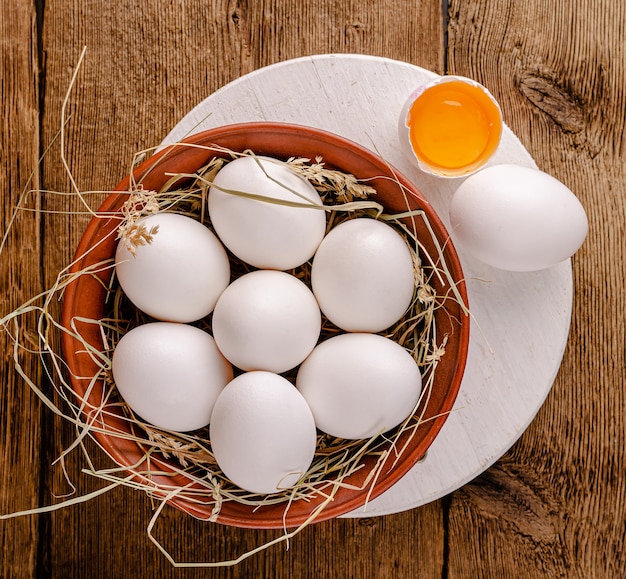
(146, 66)
(555, 506)
(19, 280)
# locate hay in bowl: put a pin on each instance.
(180, 469)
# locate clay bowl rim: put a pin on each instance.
(273, 139)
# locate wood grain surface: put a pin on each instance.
(554, 506)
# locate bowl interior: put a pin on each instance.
(85, 299)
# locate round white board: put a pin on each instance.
(521, 321)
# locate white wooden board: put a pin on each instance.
(521, 321)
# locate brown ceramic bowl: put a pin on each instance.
(85, 298)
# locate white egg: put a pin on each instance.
(359, 385)
(179, 275)
(262, 433)
(266, 320)
(362, 275)
(263, 233)
(170, 374)
(517, 218)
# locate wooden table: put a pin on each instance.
(553, 506)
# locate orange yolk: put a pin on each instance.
(454, 125)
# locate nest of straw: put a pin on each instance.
(35, 327)
(166, 457)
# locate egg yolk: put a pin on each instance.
(454, 125)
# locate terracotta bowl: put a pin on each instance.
(85, 300)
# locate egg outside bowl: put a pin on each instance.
(85, 298)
